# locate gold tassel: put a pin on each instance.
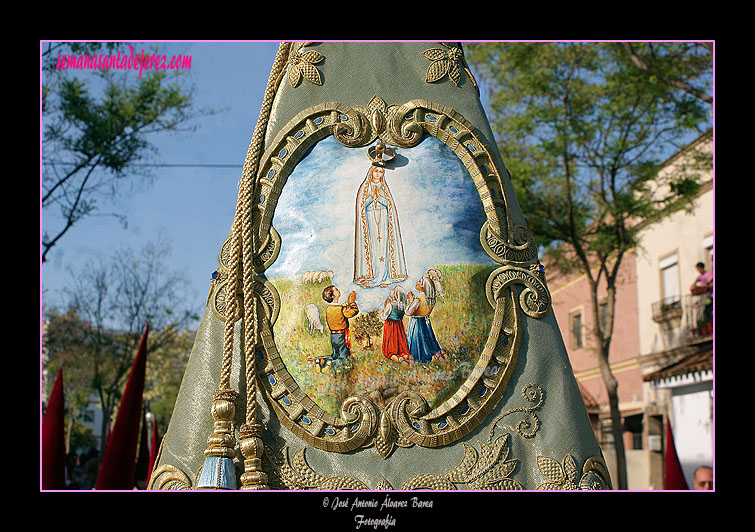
(251, 448)
(218, 471)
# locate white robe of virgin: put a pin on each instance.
(378, 248)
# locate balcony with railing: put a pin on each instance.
(691, 314)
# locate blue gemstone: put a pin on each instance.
(415, 425)
(355, 428)
(215, 274)
(306, 420)
(343, 117)
(262, 198)
(260, 354)
(271, 379)
(431, 117)
(299, 135)
(453, 129)
(484, 170)
(282, 153)
(482, 391)
(318, 121)
(270, 174)
(330, 431)
(442, 424)
(286, 401)
(470, 147)
(465, 409)
(505, 340)
(496, 368)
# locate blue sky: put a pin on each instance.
(192, 207)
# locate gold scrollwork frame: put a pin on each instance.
(408, 419)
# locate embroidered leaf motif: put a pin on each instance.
(437, 70)
(508, 484)
(302, 65)
(460, 473)
(311, 56)
(294, 75)
(435, 54)
(551, 469)
(565, 475)
(443, 62)
(500, 471)
(454, 72)
(486, 470)
(491, 456)
(570, 469)
(310, 73)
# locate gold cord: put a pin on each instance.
(243, 250)
(242, 241)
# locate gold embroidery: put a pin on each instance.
(443, 62)
(564, 475)
(268, 253)
(450, 62)
(534, 300)
(168, 477)
(531, 392)
(595, 475)
(489, 469)
(302, 65)
(298, 475)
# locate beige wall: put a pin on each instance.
(638, 469)
(684, 234)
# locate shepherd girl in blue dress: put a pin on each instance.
(423, 345)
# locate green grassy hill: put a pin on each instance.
(461, 321)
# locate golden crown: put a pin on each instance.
(379, 154)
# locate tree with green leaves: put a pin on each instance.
(165, 370)
(685, 66)
(108, 305)
(97, 126)
(583, 135)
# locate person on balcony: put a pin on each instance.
(703, 285)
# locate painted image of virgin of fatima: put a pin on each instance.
(378, 248)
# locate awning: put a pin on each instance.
(697, 367)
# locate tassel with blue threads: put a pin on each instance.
(218, 470)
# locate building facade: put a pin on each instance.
(662, 346)
(676, 321)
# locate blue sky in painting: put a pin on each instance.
(439, 211)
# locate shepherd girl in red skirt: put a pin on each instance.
(395, 345)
